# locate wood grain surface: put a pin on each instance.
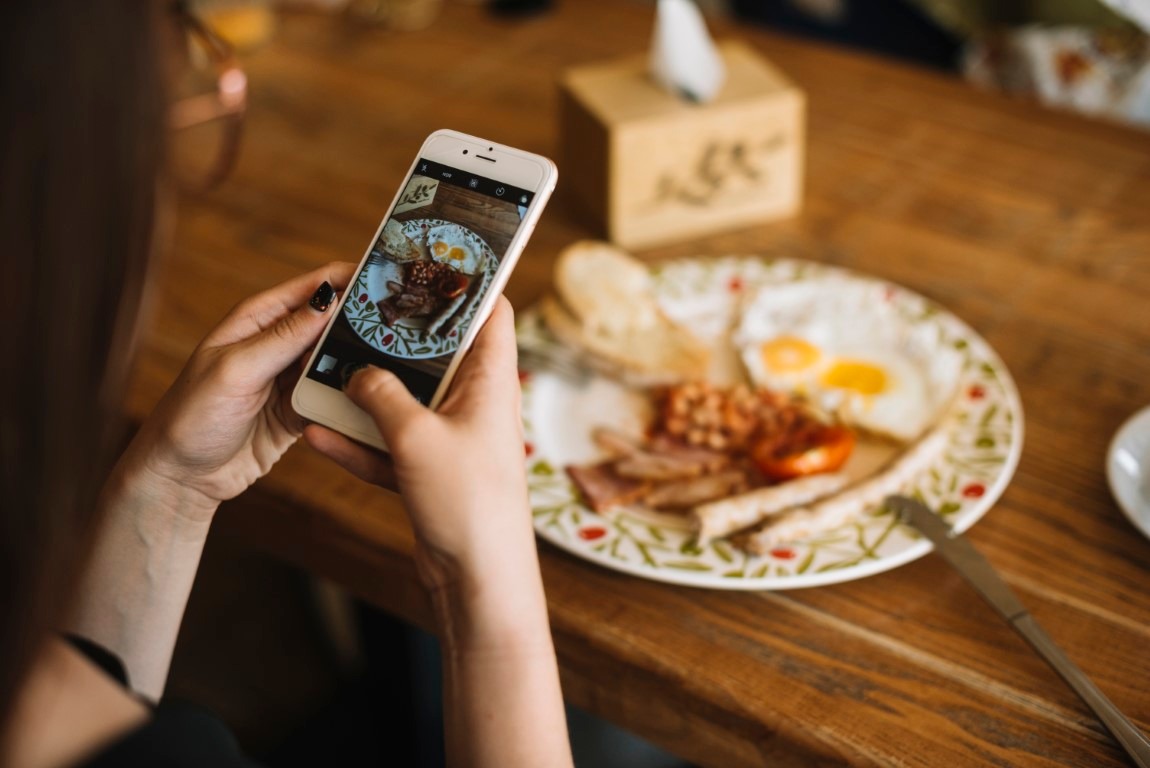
(494, 221)
(1032, 226)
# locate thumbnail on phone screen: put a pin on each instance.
(426, 274)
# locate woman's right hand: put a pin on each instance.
(460, 469)
(461, 472)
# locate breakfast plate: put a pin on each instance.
(1128, 469)
(983, 442)
(409, 337)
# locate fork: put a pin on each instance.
(553, 358)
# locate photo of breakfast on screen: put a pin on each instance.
(423, 280)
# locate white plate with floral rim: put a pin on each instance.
(408, 337)
(982, 451)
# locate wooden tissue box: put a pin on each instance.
(652, 168)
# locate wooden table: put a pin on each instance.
(1032, 226)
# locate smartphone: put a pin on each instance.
(430, 277)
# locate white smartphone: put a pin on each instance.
(430, 277)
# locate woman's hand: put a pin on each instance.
(222, 425)
(460, 468)
(461, 472)
(227, 419)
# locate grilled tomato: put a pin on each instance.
(822, 449)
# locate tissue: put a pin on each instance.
(684, 59)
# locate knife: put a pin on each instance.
(973, 567)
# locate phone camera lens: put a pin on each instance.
(465, 151)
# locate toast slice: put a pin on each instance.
(400, 246)
(606, 288)
(604, 305)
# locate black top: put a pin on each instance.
(178, 735)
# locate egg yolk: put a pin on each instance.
(855, 375)
(439, 248)
(457, 254)
(788, 354)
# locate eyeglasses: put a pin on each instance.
(207, 118)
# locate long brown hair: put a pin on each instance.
(81, 129)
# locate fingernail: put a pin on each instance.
(322, 298)
(350, 370)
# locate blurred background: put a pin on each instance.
(306, 675)
(1091, 56)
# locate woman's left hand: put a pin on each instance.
(228, 417)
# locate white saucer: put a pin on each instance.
(1128, 469)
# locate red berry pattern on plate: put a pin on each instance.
(591, 533)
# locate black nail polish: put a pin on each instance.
(322, 298)
(348, 371)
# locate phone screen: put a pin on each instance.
(426, 274)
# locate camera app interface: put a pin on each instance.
(427, 272)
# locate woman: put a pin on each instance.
(105, 550)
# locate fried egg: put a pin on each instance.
(448, 243)
(839, 344)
